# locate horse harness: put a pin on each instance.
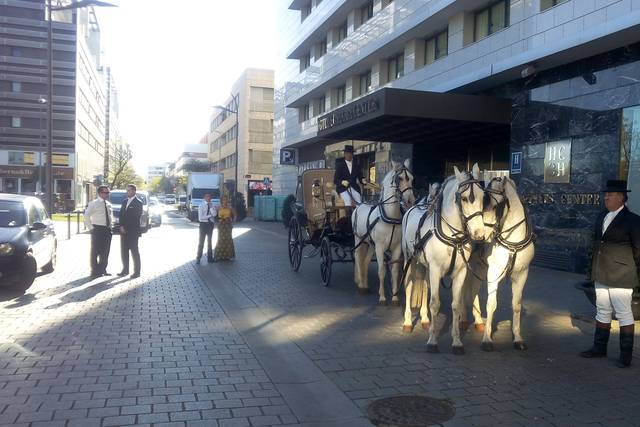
(397, 194)
(458, 239)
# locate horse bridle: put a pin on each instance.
(462, 187)
(397, 193)
(490, 193)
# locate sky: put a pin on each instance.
(173, 60)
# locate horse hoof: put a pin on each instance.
(363, 291)
(395, 303)
(463, 325)
(407, 329)
(520, 345)
(479, 327)
(382, 302)
(432, 348)
(425, 326)
(487, 346)
(458, 350)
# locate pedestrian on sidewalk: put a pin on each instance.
(98, 218)
(224, 246)
(206, 216)
(130, 213)
(614, 270)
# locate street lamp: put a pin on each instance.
(42, 101)
(236, 99)
(49, 166)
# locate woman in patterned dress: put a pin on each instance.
(224, 246)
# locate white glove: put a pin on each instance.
(345, 183)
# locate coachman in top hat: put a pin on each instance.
(614, 270)
(348, 178)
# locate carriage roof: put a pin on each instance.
(305, 182)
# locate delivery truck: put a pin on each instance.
(198, 184)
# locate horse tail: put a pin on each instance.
(417, 290)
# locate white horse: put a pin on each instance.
(508, 254)
(441, 242)
(377, 227)
(416, 286)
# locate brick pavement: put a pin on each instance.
(360, 347)
(236, 343)
(157, 350)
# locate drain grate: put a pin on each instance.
(410, 411)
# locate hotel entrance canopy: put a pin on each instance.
(409, 116)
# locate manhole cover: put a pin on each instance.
(410, 411)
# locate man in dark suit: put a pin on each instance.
(614, 270)
(130, 213)
(348, 178)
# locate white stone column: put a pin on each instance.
(413, 55)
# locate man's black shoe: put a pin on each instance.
(123, 273)
(135, 275)
(107, 274)
(94, 276)
(211, 260)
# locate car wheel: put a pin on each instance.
(48, 268)
(29, 270)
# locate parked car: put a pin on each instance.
(27, 240)
(161, 198)
(155, 212)
(116, 197)
(170, 199)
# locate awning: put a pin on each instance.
(409, 116)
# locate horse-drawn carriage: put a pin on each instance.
(320, 219)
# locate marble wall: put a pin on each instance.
(581, 102)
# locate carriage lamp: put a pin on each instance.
(6, 249)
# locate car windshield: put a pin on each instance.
(199, 193)
(12, 214)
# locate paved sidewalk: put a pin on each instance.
(250, 342)
(360, 347)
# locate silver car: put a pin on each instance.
(116, 197)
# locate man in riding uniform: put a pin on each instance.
(614, 270)
(348, 178)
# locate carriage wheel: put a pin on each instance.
(295, 244)
(325, 261)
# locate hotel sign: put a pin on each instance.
(574, 199)
(348, 113)
(557, 162)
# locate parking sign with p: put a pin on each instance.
(287, 156)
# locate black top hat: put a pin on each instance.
(348, 148)
(616, 186)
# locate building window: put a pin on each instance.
(341, 95)
(322, 48)
(304, 113)
(305, 11)
(436, 47)
(396, 67)
(366, 12)
(16, 87)
(321, 103)
(21, 158)
(365, 82)
(16, 51)
(16, 122)
(342, 32)
(491, 19)
(305, 62)
(547, 4)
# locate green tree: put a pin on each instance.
(127, 176)
(119, 164)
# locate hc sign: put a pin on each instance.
(516, 162)
(287, 156)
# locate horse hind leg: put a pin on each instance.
(382, 273)
(421, 278)
(517, 287)
(434, 308)
(492, 302)
(396, 271)
(407, 325)
(360, 256)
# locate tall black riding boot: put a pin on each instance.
(600, 340)
(626, 346)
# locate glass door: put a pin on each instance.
(630, 155)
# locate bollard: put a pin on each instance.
(68, 225)
(78, 222)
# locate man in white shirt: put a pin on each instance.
(98, 217)
(206, 215)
